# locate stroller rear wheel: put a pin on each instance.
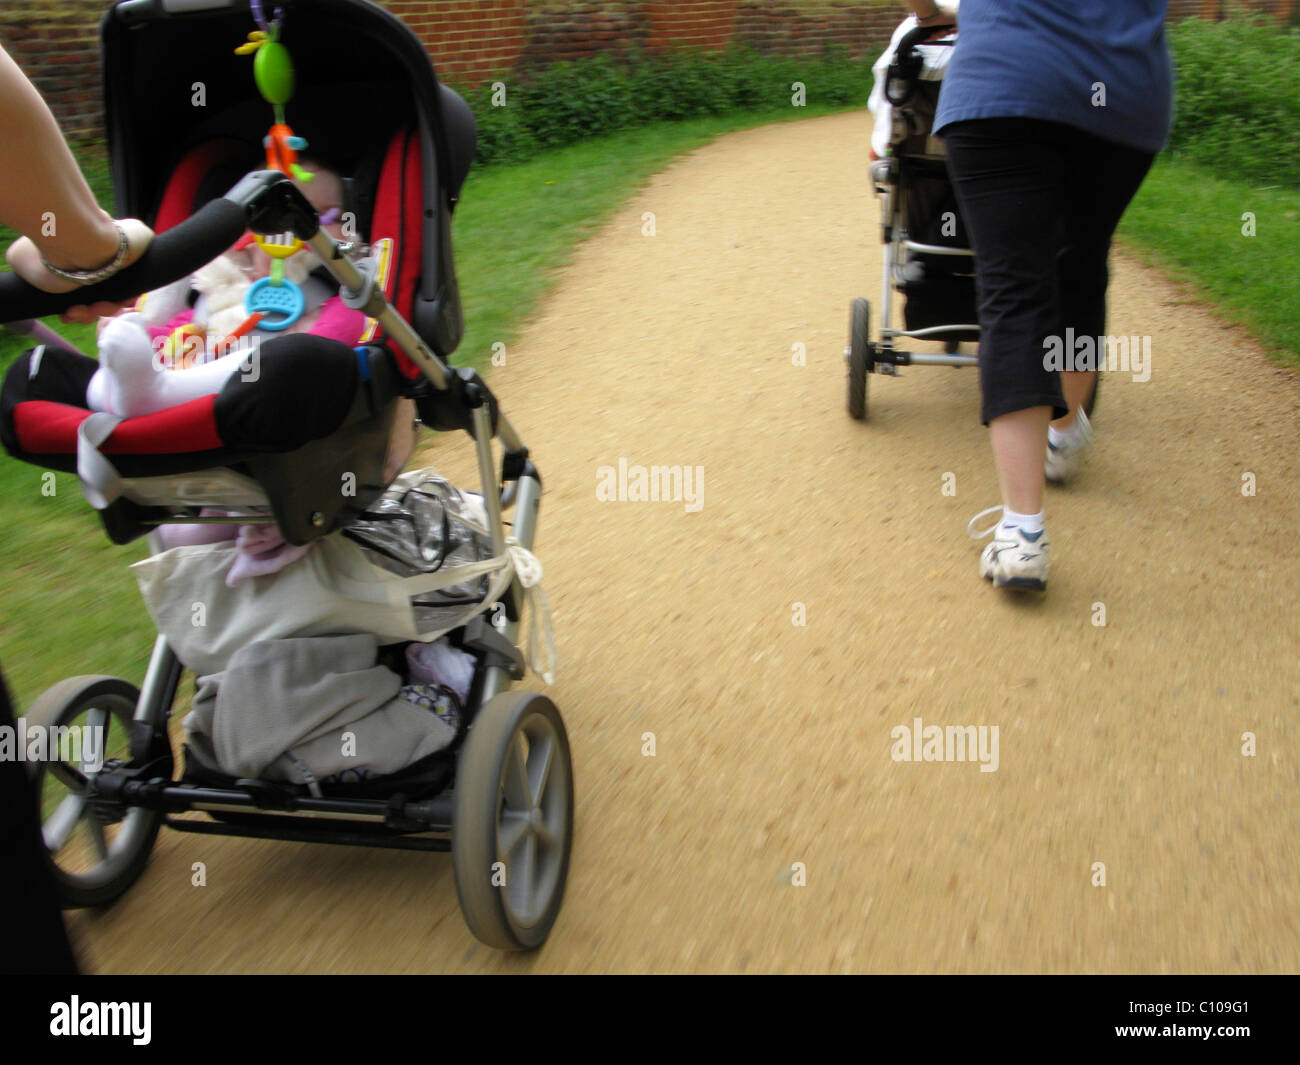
(861, 357)
(512, 827)
(96, 852)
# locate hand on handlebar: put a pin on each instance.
(944, 15)
(25, 259)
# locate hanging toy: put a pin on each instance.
(277, 299)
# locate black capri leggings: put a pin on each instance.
(1041, 201)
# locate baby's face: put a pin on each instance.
(325, 193)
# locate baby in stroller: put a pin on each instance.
(934, 60)
(205, 327)
(294, 736)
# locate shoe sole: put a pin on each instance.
(1022, 584)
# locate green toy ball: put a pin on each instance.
(273, 72)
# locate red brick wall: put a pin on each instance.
(706, 24)
(580, 28)
(1282, 10)
(776, 28)
(56, 41)
(469, 39)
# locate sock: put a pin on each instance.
(128, 384)
(1026, 523)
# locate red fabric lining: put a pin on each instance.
(178, 201)
(401, 178)
(46, 428)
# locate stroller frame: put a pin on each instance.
(500, 798)
(891, 177)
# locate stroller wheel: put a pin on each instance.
(512, 826)
(861, 357)
(96, 851)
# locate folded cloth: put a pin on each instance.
(263, 550)
(442, 665)
(306, 709)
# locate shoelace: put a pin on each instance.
(991, 529)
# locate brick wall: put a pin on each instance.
(577, 29)
(56, 41)
(774, 27)
(1282, 10)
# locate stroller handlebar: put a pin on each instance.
(172, 255)
(905, 67)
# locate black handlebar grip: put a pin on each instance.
(172, 255)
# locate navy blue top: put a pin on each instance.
(1045, 58)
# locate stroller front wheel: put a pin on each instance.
(96, 850)
(512, 827)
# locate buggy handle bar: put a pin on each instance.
(170, 256)
(906, 66)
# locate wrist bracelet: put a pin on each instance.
(91, 277)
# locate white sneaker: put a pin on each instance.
(1015, 558)
(1063, 459)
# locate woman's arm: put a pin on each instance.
(929, 13)
(44, 195)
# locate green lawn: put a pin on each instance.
(69, 603)
(1191, 224)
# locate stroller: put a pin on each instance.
(500, 797)
(926, 257)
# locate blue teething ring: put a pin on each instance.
(284, 300)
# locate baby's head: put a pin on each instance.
(325, 193)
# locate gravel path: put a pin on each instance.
(1119, 744)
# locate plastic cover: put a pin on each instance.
(422, 524)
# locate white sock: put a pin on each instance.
(1030, 523)
(128, 383)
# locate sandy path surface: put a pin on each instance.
(1119, 744)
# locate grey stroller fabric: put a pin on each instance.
(422, 524)
(281, 709)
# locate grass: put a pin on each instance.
(1191, 224)
(69, 602)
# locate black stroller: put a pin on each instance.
(500, 798)
(926, 257)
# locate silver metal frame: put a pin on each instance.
(894, 257)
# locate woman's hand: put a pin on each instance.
(25, 258)
(929, 13)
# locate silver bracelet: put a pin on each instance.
(103, 273)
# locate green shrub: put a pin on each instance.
(569, 101)
(1237, 103)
